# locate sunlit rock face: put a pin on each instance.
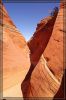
(16, 61)
(54, 50)
(46, 71)
(61, 90)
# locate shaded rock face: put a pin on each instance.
(16, 61)
(38, 42)
(62, 90)
(46, 71)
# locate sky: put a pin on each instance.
(26, 16)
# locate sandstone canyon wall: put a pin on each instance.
(16, 61)
(39, 69)
(46, 71)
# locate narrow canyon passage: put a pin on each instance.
(33, 68)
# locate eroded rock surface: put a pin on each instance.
(16, 60)
(41, 78)
(46, 45)
(54, 50)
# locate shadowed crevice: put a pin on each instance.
(62, 89)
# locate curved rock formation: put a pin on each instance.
(16, 61)
(46, 71)
(41, 78)
(54, 50)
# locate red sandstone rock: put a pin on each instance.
(46, 45)
(54, 50)
(16, 61)
(45, 74)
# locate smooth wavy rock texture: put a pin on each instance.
(34, 68)
(16, 60)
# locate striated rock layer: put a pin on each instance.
(43, 77)
(54, 50)
(46, 45)
(16, 61)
